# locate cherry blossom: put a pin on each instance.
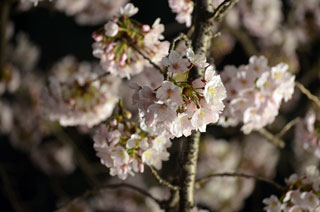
(124, 147)
(178, 106)
(78, 96)
(301, 194)
(116, 44)
(255, 93)
(184, 9)
(175, 63)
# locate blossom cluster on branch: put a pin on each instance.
(171, 92)
(178, 105)
(255, 92)
(124, 147)
(302, 193)
(123, 42)
(79, 94)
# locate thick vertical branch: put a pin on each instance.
(188, 175)
(4, 14)
(203, 32)
(201, 41)
(204, 18)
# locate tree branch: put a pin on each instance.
(287, 127)
(163, 181)
(146, 58)
(222, 10)
(188, 175)
(272, 138)
(15, 203)
(82, 161)
(181, 36)
(204, 180)
(306, 92)
(201, 41)
(4, 14)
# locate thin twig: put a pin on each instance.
(272, 138)
(287, 127)
(306, 92)
(244, 39)
(98, 77)
(222, 10)
(83, 163)
(163, 181)
(204, 180)
(181, 36)
(111, 186)
(146, 58)
(312, 74)
(12, 197)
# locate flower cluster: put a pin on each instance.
(307, 133)
(123, 42)
(302, 194)
(124, 147)
(80, 94)
(255, 92)
(179, 106)
(184, 9)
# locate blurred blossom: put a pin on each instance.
(307, 134)
(306, 14)
(29, 128)
(9, 79)
(223, 45)
(22, 57)
(184, 9)
(53, 157)
(256, 156)
(77, 206)
(261, 17)
(25, 54)
(109, 199)
(6, 117)
(77, 95)
(90, 12)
